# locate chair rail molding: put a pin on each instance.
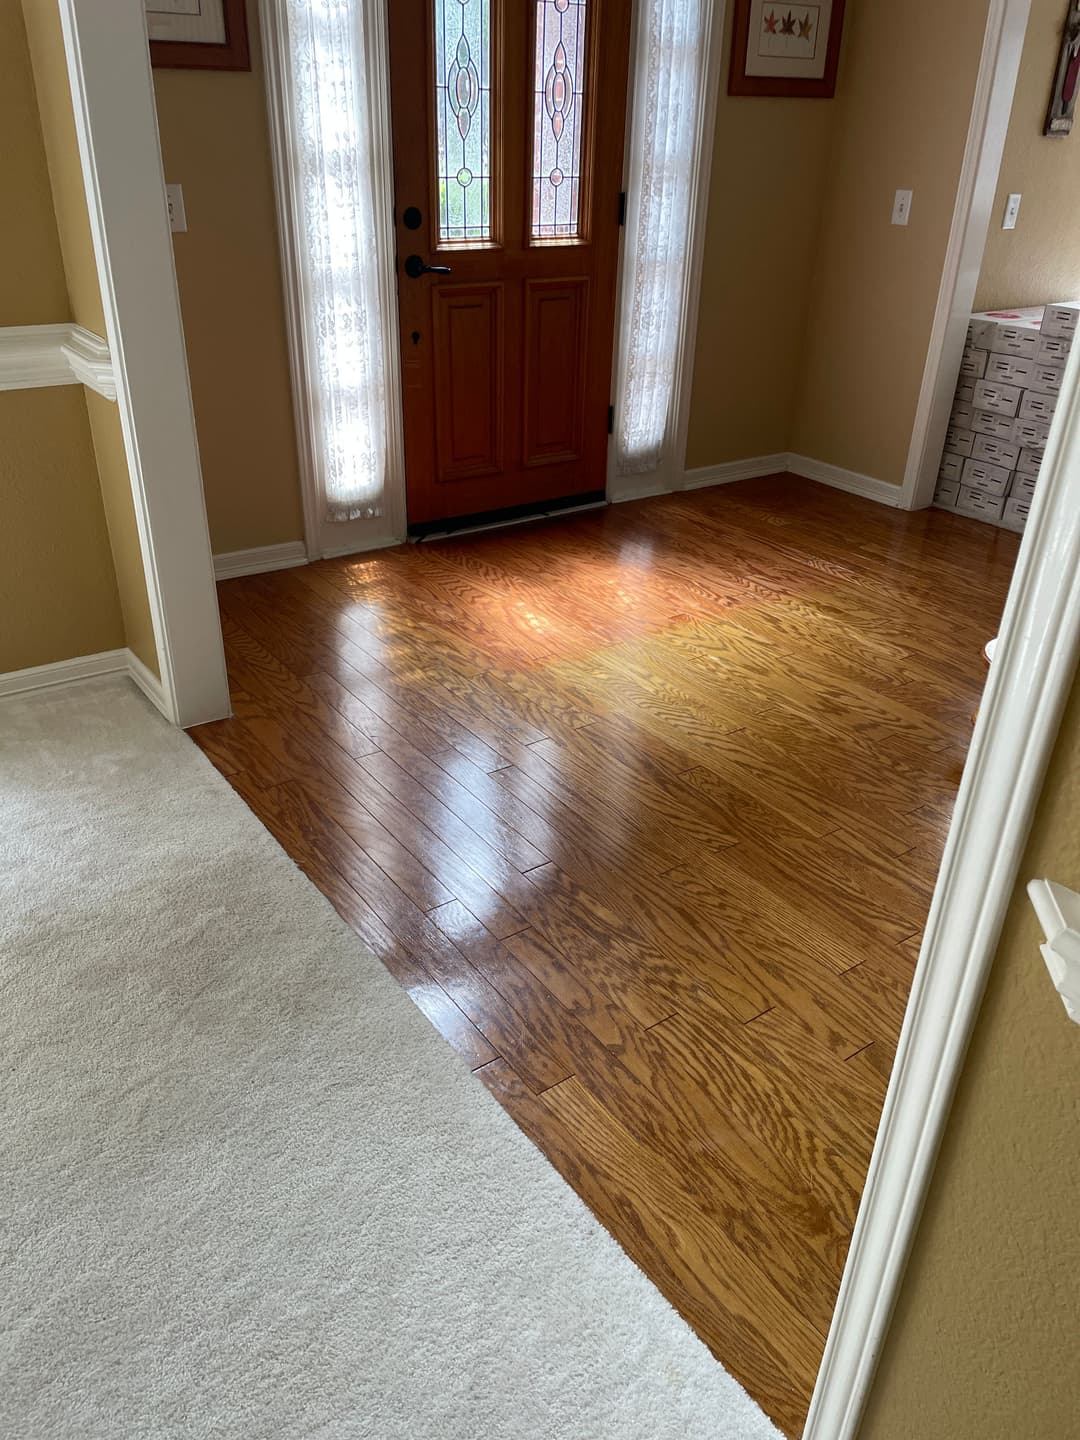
(32, 356)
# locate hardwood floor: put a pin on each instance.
(643, 808)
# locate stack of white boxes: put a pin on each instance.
(1010, 381)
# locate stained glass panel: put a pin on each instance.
(558, 118)
(463, 108)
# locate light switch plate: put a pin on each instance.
(1012, 212)
(177, 214)
(901, 213)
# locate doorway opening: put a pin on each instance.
(508, 144)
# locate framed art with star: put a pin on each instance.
(786, 49)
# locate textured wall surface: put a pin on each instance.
(58, 594)
(107, 457)
(902, 118)
(983, 1344)
(215, 143)
(1039, 261)
(32, 286)
(769, 166)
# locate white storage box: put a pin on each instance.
(1060, 319)
(962, 416)
(952, 467)
(959, 440)
(1031, 434)
(1023, 486)
(999, 426)
(998, 452)
(1011, 369)
(1015, 514)
(1012, 340)
(979, 504)
(1047, 377)
(997, 398)
(988, 326)
(965, 393)
(1052, 349)
(947, 494)
(994, 479)
(1037, 407)
(1030, 461)
(974, 363)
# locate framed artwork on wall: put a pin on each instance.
(1059, 118)
(785, 49)
(198, 34)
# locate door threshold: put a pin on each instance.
(501, 519)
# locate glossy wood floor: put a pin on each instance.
(644, 808)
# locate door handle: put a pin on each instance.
(415, 267)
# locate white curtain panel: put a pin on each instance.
(346, 362)
(668, 78)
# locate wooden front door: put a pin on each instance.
(508, 120)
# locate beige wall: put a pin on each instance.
(1040, 259)
(106, 456)
(32, 287)
(215, 143)
(58, 595)
(769, 164)
(902, 115)
(983, 1344)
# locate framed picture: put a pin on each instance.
(786, 49)
(198, 34)
(1059, 118)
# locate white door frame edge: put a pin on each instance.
(112, 93)
(1030, 680)
(991, 110)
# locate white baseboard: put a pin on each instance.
(82, 668)
(733, 470)
(146, 680)
(849, 480)
(381, 542)
(64, 672)
(756, 467)
(234, 563)
(649, 487)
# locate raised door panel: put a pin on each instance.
(469, 380)
(555, 345)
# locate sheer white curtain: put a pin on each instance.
(668, 78)
(331, 139)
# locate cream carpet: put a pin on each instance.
(245, 1190)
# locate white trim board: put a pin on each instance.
(1003, 43)
(756, 467)
(731, 471)
(231, 564)
(112, 94)
(81, 668)
(34, 356)
(63, 672)
(1030, 680)
(849, 480)
(141, 675)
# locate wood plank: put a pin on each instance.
(644, 808)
